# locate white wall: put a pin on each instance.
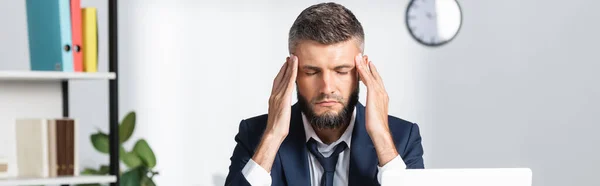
(516, 88)
(519, 88)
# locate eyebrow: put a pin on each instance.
(343, 66)
(308, 67)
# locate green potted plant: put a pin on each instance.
(140, 161)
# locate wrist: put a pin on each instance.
(384, 146)
(386, 155)
(380, 128)
(271, 136)
(274, 135)
(377, 132)
(267, 149)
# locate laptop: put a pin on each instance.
(459, 177)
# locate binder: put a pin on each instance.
(32, 148)
(49, 32)
(66, 148)
(3, 168)
(90, 39)
(47, 147)
(76, 31)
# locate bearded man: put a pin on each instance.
(327, 138)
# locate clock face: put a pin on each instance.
(433, 22)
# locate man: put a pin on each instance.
(327, 138)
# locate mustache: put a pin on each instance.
(323, 97)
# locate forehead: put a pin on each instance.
(316, 54)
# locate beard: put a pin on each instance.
(328, 119)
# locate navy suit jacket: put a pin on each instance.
(290, 166)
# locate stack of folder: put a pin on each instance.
(62, 36)
(46, 147)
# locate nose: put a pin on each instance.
(327, 83)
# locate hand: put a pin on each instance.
(280, 101)
(280, 113)
(377, 97)
(376, 116)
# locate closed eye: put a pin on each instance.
(311, 70)
(311, 73)
(343, 69)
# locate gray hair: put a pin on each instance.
(326, 23)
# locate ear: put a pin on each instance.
(366, 58)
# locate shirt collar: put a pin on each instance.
(346, 136)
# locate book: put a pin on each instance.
(32, 148)
(76, 37)
(47, 147)
(66, 147)
(49, 35)
(52, 153)
(90, 39)
(3, 168)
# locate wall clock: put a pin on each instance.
(433, 22)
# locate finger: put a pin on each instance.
(376, 75)
(286, 77)
(281, 72)
(366, 64)
(362, 71)
(374, 71)
(365, 58)
(278, 78)
(294, 73)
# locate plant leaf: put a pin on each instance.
(131, 178)
(122, 152)
(143, 150)
(127, 126)
(146, 181)
(100, 142)
(104, 169)
(131, 159)
(90, 171)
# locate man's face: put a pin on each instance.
(327, 81)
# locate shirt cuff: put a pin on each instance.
(397, 164)
(256, 175)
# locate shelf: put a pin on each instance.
(54, 76)
(65, 180)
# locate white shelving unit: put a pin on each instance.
(54, 76)
(45, 94)
(66, 180)
(38, 93)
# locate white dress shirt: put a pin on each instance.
(258, 176)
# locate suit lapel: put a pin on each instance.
(293, 153)
(363, 158)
